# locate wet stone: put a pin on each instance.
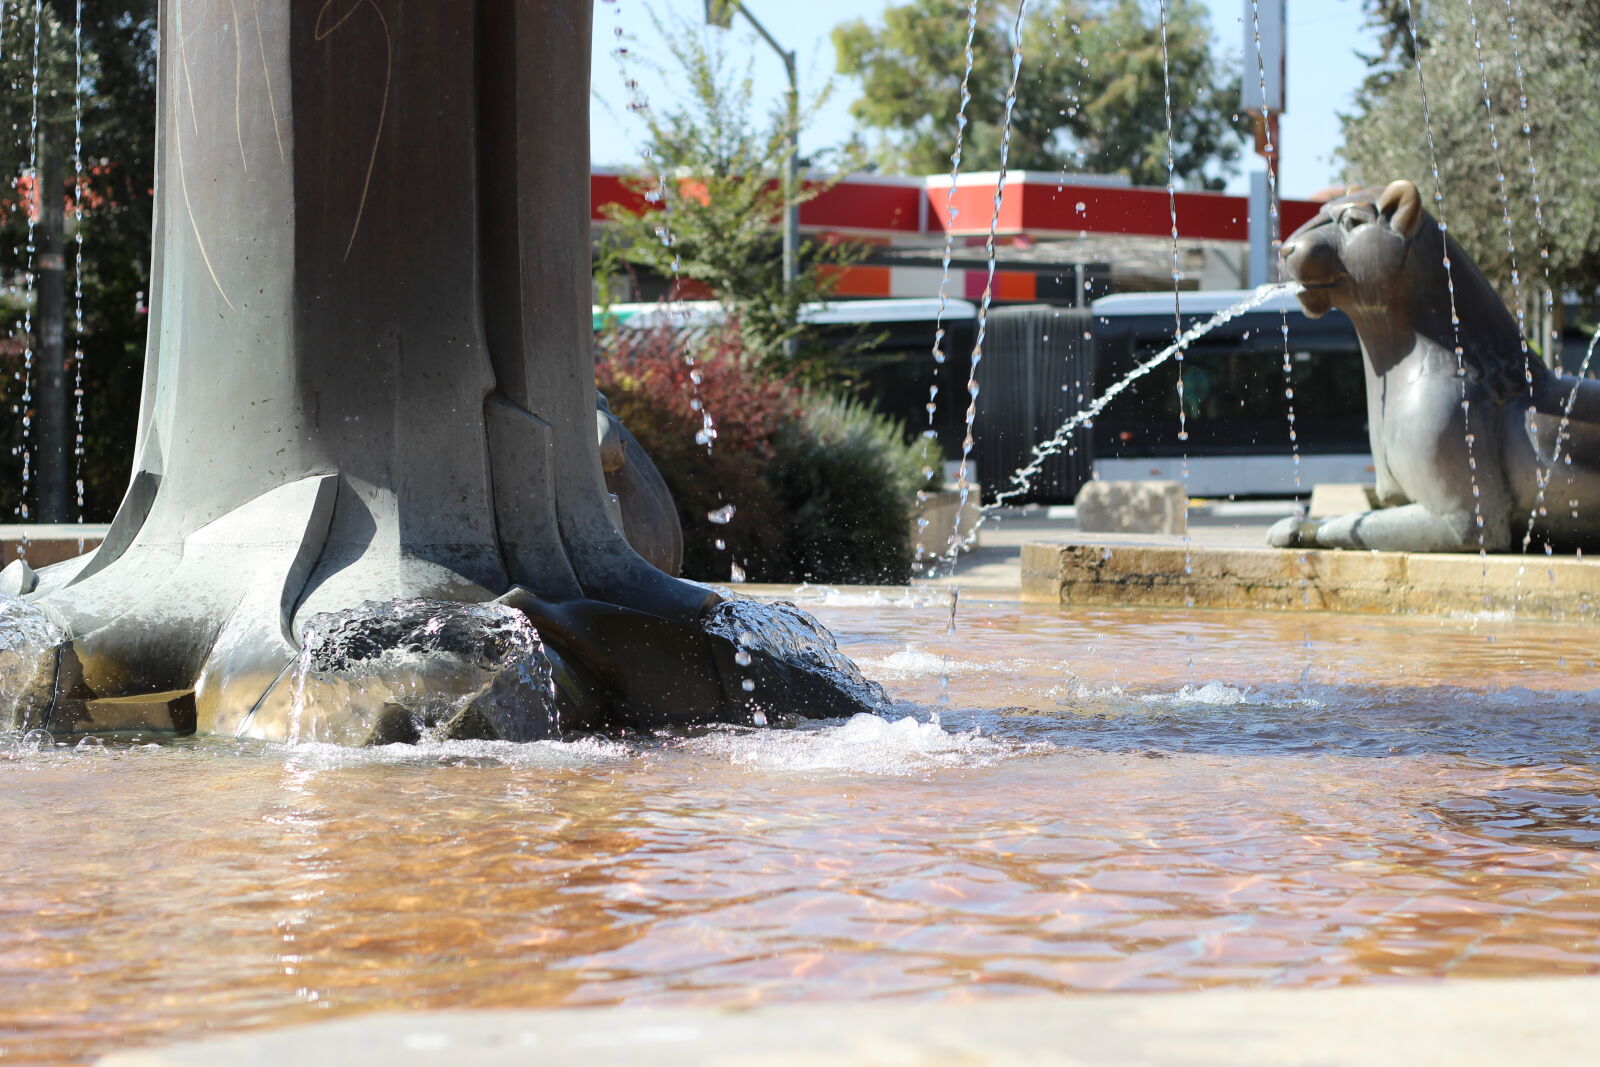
(29, 642)
(401, 670)
(783, 650)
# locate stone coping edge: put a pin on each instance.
(1558, 588)
(1460, 1023)
(917, 594)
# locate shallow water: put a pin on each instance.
(1108, 800)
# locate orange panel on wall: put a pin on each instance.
(860, 281)
(1016, 285)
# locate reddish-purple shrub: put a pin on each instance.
(651, 388)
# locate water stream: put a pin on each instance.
(951, 211)
(26, 413)
(80, 190)
(1449, 273)
(659, 197)
(963, 485)
(1492, 125)
(1275, 228)
(1022, 477)
(1552, 337)
(1177, 300)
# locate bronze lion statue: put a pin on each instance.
(1464, 423)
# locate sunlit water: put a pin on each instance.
(1109, 801)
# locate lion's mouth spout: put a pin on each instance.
(1318, 284)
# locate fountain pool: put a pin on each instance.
(1110, 799)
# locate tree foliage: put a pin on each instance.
(1391, 21)
(1545, 144)
(1090, 96)
(715, 173)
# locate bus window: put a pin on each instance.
(1234, 400)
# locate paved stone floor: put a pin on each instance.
(996, 561)
(1462, 1023)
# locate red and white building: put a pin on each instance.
(1049, 232)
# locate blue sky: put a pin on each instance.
(1324, 36)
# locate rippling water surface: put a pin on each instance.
(1072, 801)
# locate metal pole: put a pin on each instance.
(1261, 236)
(718, 14)
(791, 201)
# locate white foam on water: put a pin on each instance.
(17, 745)
(913, 662)
(831, 597)
(1223, 695)
(1078, 689)
(586, 752)
(1488, 616)
(1215, 693)
(863, 744)
(1084, 696)
(1220, 694)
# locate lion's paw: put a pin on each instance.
(1291, 533)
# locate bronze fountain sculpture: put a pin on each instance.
(1472, 449)
(368, 496)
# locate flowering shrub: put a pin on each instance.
(651, 388)
(821, 488)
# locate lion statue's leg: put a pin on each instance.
(1409, 528)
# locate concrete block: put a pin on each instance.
(1340, 498)
(1132, 507)
(940, 508)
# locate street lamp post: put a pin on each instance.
(720, 13)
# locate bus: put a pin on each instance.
(1272, 403)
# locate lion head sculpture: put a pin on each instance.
(1377, 255)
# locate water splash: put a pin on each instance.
(425, 668)
(29, 640)
(553, 755)
(862, 745)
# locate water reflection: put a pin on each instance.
(1107, 800)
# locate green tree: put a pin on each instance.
(1551, 165)
(715, 174)
(1090, 97)
(1397, 46)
